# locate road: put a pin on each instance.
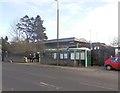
(25, 77)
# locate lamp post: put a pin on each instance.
(57, 31)
(118, 29)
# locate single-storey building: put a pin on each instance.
(71, 42)
(99, 51)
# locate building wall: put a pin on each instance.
(100, 53)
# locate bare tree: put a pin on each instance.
(21, 47)
(15, 34)
(115, 41)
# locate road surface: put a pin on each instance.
(25, 77)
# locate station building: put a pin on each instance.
(71, 42)
(97, 52)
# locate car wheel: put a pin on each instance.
(108, 67)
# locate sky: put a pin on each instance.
(95, 20)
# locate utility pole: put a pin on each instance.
(57, 32)
(119, 29)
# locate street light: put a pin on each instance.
(57, 31)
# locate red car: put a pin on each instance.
(112, 63)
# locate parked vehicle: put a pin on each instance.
(112, 63)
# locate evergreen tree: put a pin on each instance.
(39, 29)
(4, 47)
(32, 28)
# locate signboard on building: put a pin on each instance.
(55, 55)
(72, 56)
(65, 56)
(61, 56)
(77, 55)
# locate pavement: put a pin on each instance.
(89, 68)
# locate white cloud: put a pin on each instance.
(51, 29)
(42, 1)
(102, 20)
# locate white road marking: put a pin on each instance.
(99, 86)
(49, 85)
(12, 89)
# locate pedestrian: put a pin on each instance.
(33, 57)
(37, 57)
(25, 59)
(30, 56)
(11, 60)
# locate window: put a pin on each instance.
(118, 59)
(115, 60)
